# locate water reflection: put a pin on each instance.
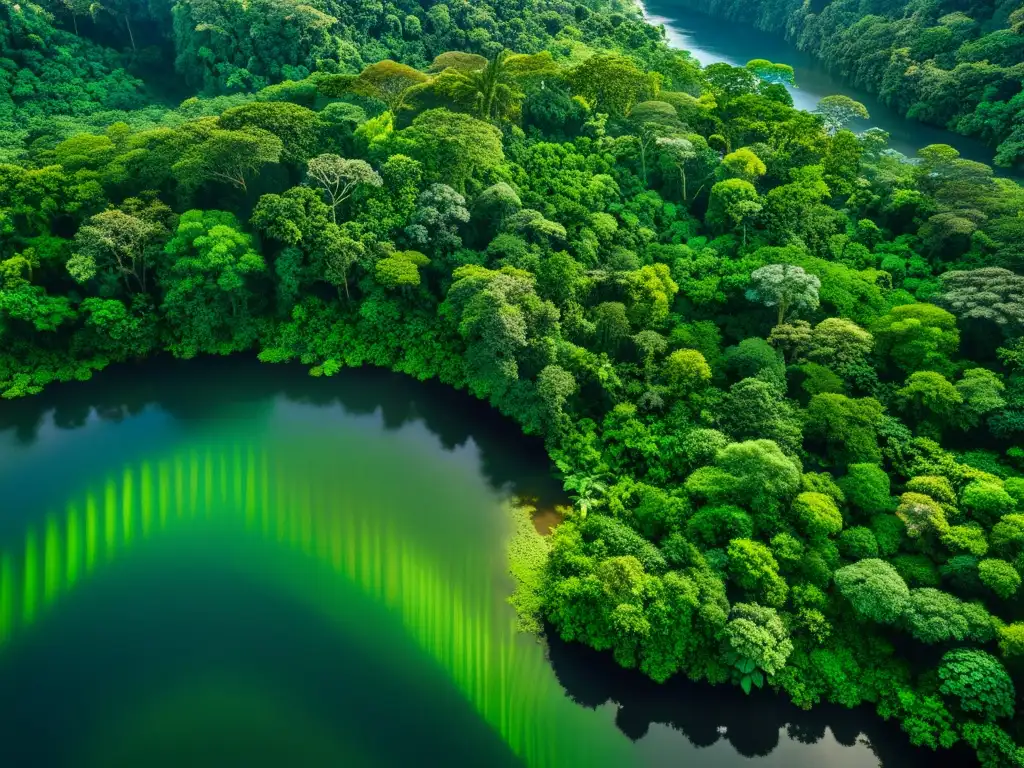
(242, 389)
(755, 726)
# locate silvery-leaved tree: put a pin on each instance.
(784, 286)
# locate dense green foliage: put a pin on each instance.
(955, 64)
(780, 369)
(68, 66)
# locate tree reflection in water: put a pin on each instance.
(706, 714)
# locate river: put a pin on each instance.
(711, 41)
(218, 563)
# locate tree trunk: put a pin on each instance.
(682, 173)
(131, 36)
(488, 103)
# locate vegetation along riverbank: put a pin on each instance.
(950, 64)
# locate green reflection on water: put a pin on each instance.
(440, 585)
(30, 592)
(6, 597)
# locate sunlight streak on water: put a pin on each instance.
(448, 606)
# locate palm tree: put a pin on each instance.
(493, 89)
(588, 491)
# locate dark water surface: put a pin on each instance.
(218, 563)
(712, 40)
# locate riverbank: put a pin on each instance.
(711, 40)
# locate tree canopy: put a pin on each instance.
(778, 367)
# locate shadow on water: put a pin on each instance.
(706, 715)
(195, 391)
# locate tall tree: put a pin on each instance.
(389, 82)
(231, 157)
(452, 147)
(207, 294)
(839, 111)
(116, 242)
(492, 90)
(680, 152)
(339, 178)
(784, 286)
(338, 254)
(993, 294)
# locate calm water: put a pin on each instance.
(712, 40)
(225, 564)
